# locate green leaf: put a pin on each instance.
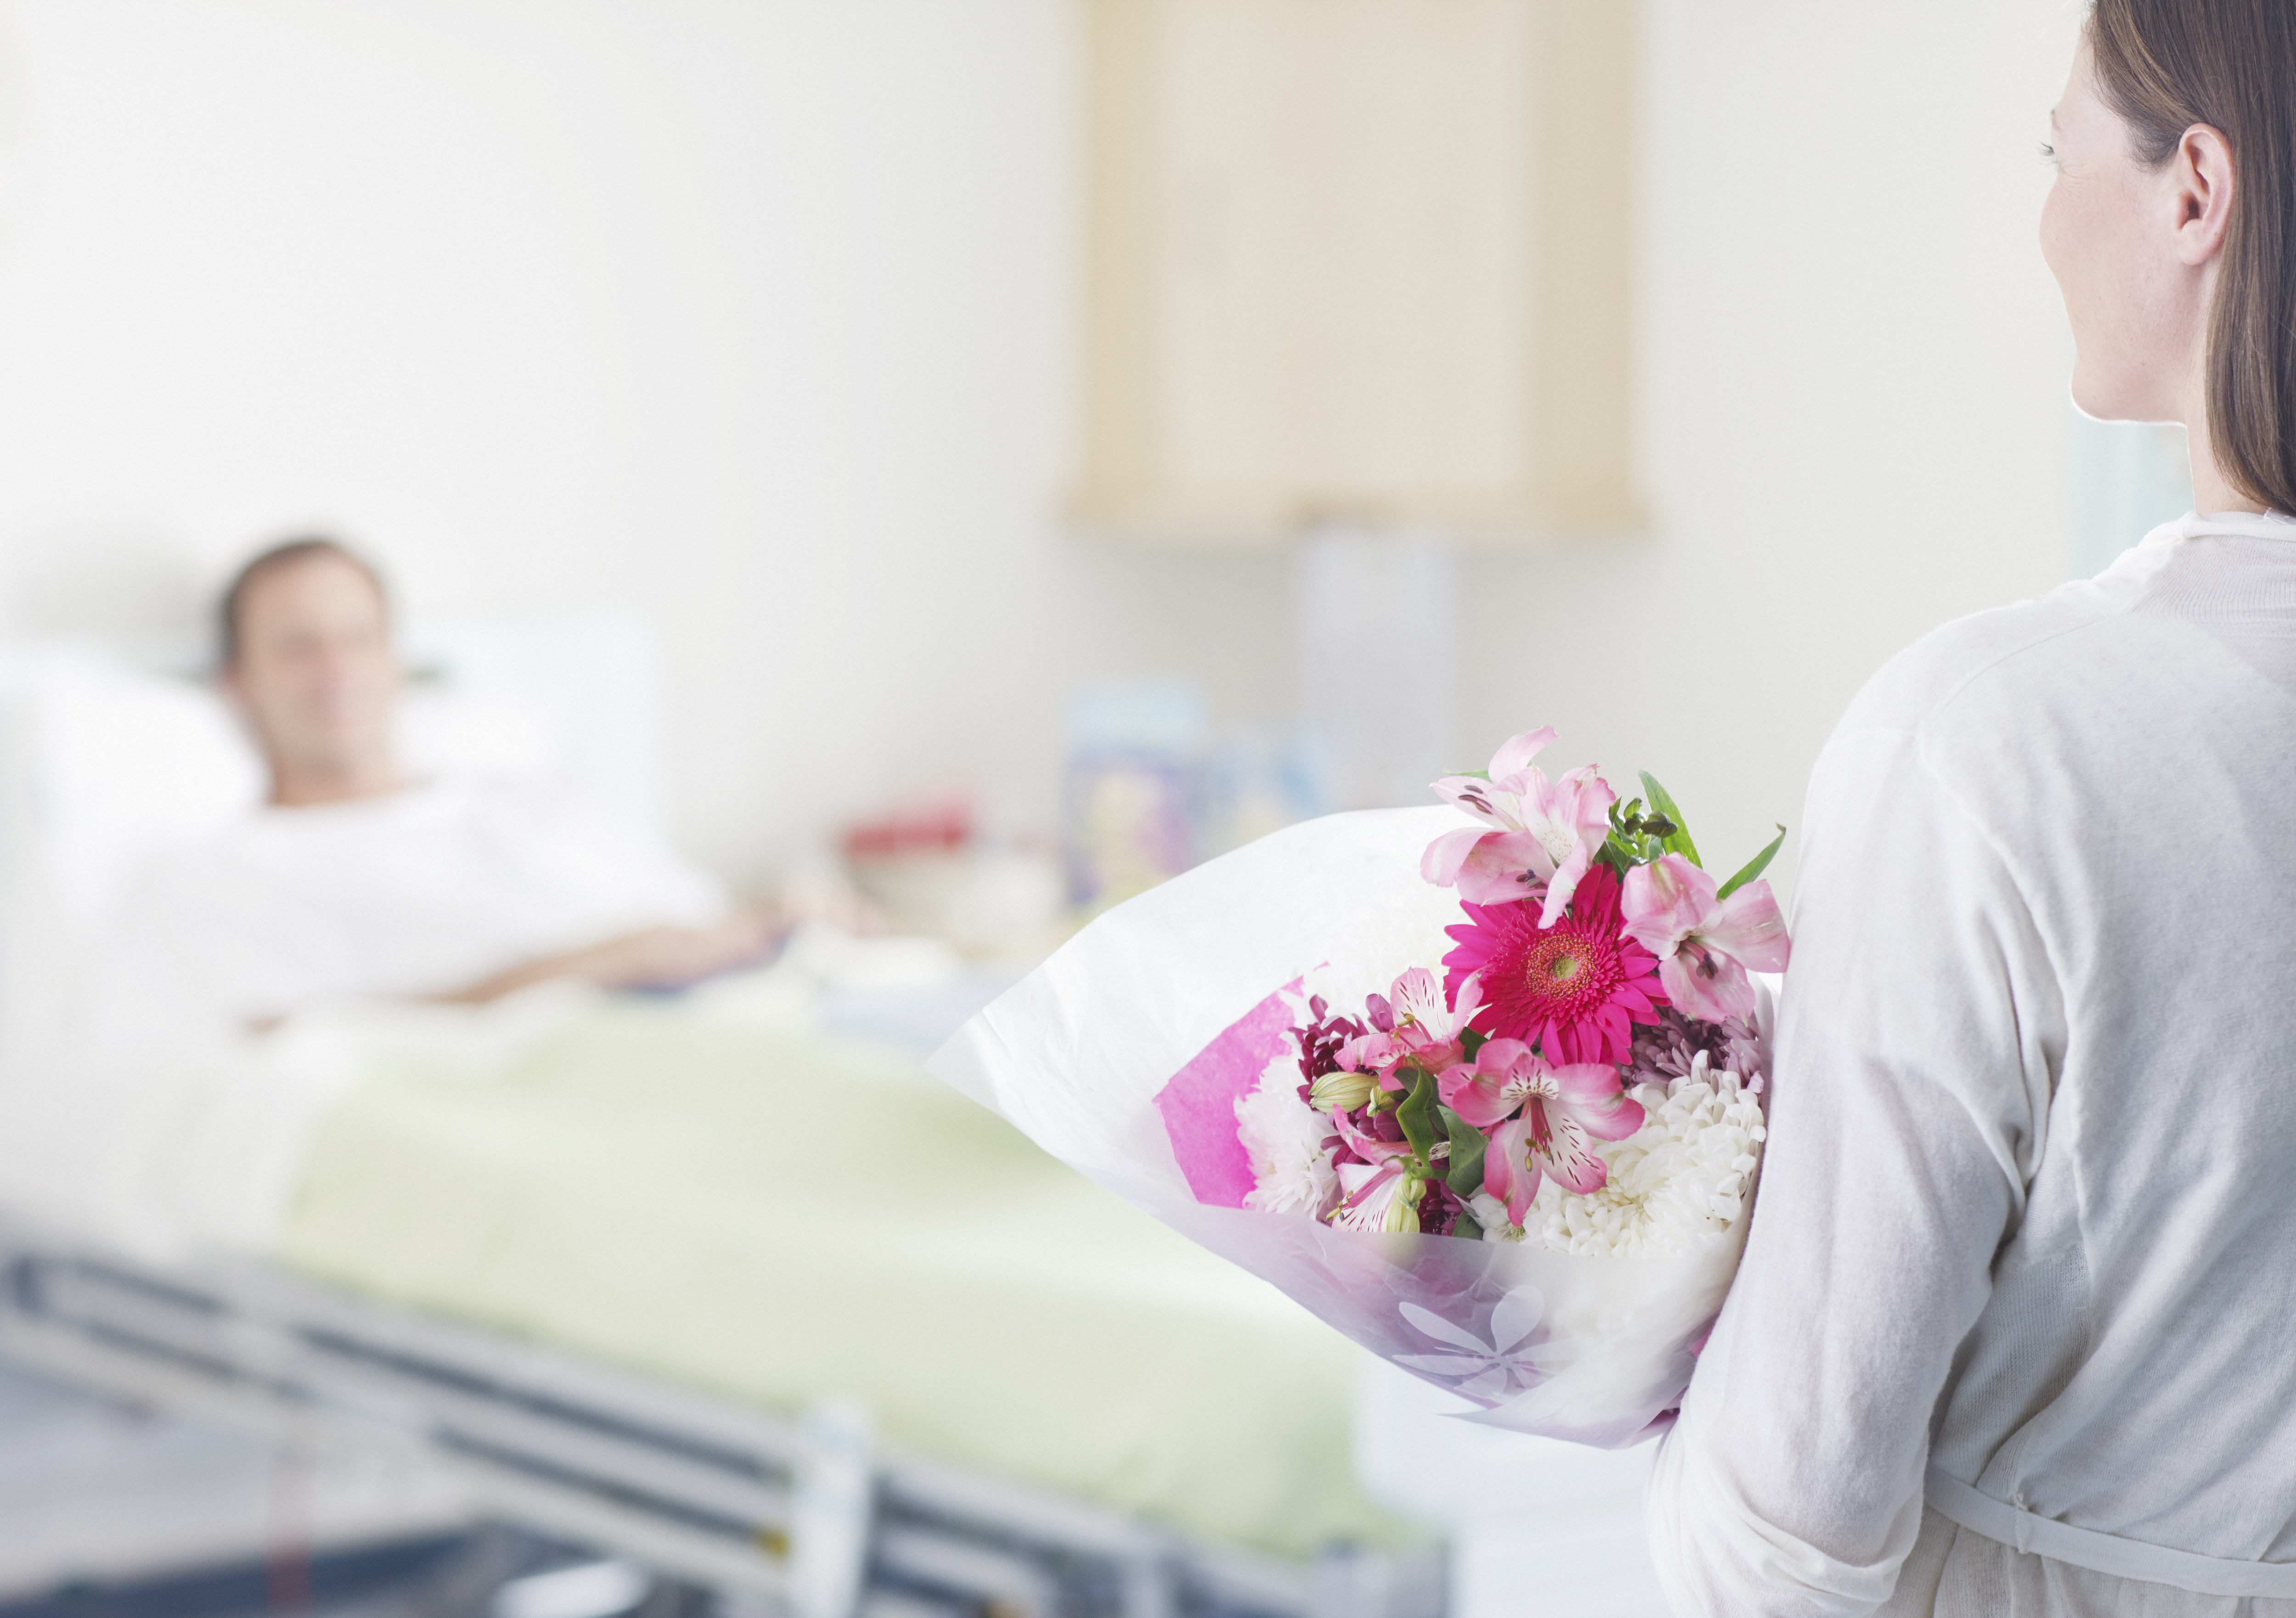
(1466, 1225)
(1471, 775)
(1467, 1143)
(1753, 868)
(1471, 1040)
(1679, 842)
(1416, 1114)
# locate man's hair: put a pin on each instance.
(286, 554)
(2165, 65)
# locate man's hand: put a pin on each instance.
(671, 957)
(656, 958)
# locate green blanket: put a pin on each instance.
(775, 1216)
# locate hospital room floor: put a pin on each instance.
(112, 1510)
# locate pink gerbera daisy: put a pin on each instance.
(1574, 989)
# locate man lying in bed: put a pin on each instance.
(356, 881)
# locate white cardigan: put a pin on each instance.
(2026, 1237)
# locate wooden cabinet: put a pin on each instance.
(1358, 261)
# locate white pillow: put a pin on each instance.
(105, 762)
(108, 765)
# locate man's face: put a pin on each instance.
(316, 671)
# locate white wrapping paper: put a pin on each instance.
(1593, 1349)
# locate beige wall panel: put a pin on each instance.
(1584, 475)
(1323, 264)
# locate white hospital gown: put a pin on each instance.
(2025, 1237)
(421, 892)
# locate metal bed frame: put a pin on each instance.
(803, 1518)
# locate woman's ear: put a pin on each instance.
(2203, 186)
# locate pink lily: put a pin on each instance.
(1703, 944)
(1542, 832)
(1419, 1025)
(1564, 1110)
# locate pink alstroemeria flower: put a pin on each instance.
(1372, 1187)
(1543, 832)
(1703, 944)
(1419, 1025)
(1564, 1110)
(1369, 1201)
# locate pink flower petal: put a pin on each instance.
(1369, 1147)
(1510, 1172)
(1563, 884)
(1590, 799)
(1371, 1053)
(1516, 753)
(1577, 807)
(1474, 1091)
(1726, 993)
(1572, 988)
(1665, 901)
(1369, 1192)
(1748, 928)
(1489, 801)
(1418, 996)
(1571, 1158)
(1440, 863)
(1502, 867)
(1591, 1095)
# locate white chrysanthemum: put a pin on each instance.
(1377, 947)
(1490, 1213)
(1285, 1137)
(1685, 1174)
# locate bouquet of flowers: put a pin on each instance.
(1493, 1102)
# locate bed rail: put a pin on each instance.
(790, 1519)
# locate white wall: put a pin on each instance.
(1854, 381)
(756, 315)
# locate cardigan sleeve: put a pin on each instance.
(1909, 1109)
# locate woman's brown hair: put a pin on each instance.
(2163, 66)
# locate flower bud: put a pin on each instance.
(1341, 1091)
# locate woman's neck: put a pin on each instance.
(2213, 490)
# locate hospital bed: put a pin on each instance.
(771, 1482)
(780, 1514)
